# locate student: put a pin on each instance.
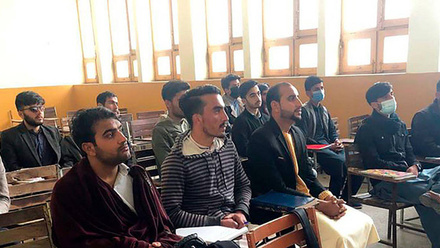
(31, 144)
(384, 144)
(203, 182)
(231, 98)
(425, 129)
(108, 100)
(250, 119)
(264, 88)
(278, 161)
(318, 127)
(102, 202)
(167, 129)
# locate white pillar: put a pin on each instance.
(424, 37)
(253, 38)
(329, 33)
(144, 41)
(101, 28)
(193, 45)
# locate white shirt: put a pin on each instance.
(124, 186)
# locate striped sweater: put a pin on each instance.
(199, 190)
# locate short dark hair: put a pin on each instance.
(310, 81)
(263, 87)
(171, 88)
(27, 98)
(378, 90)
(83, 124)
(245, 87)
(191, 102)
(274, 94)
(102, 97)
(438, 86)
(226, 81)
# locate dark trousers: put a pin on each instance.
(333, 163)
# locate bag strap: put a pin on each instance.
(311, 240)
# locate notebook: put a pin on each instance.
(317, 147)
(211, 234)
(280, 202)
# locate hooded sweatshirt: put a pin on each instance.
(201, 186)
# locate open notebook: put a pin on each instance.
(211, 234)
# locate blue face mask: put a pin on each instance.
(318, 96)
(388, 106)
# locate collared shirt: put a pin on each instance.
(320, 133)
(191, 147)
(45, 152)
(124, 186)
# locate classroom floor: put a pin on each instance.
(405, 238)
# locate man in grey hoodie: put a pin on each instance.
(203, 182)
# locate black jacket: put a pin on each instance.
(308, 124)
(270, 162)
(425, 131)
(384, 143)
(244, 126)
(18, 150)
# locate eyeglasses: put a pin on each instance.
(35, 109)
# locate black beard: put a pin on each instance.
(31, 122)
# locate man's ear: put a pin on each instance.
(89, 148)
(20, 113)
(275, 106)
(168, 104)
(100, 105)
(309, 93)
(375, 105)
(197, 118)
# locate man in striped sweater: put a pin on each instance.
(203, 182)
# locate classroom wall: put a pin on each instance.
(345, 95)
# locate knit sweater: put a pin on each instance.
(200, 189)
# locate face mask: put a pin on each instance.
(318, 96)
(388, 106)
(234, 92)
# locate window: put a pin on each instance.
(374, 36)
(123, 40)
(225, 43)
(290, 37)
(87, 41)
(165, 39)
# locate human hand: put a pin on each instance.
(413, 169)
(155, 245)
(331, 209)
(336, 146)
(238, 218)
(335, 200)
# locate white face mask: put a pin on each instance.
(388, 106)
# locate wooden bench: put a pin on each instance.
(30, 227)
(31, 186)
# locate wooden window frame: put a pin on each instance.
(172, 53)
(235, 43)
(350, 69)
(384, 28)
(125, 57)
(306, 36)
(276, 43)
(389, 67)
(298, 70)
(87, 60)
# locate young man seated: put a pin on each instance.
(32, 144)
(318, 127)
(384, 144)
(250, 119)
(101, 202)
(203, 182)
(425, 129)
(278, 161)
(167, 129)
